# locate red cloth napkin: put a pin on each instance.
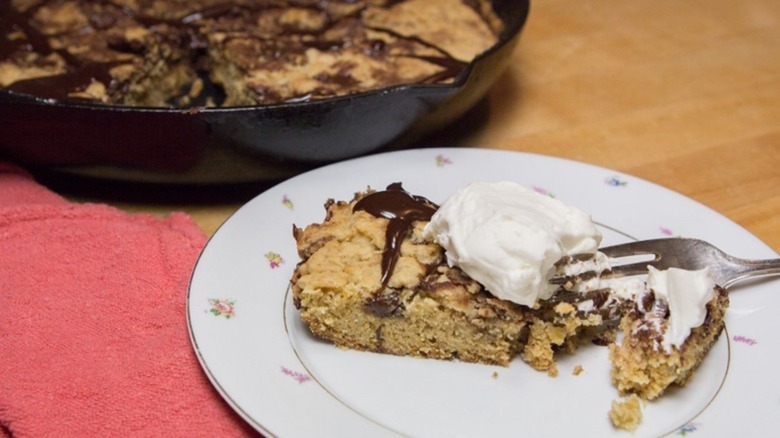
(93, 333)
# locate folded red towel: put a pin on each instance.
(93, 334)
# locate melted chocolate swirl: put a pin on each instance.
(402, 209)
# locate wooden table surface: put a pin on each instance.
(683, 94)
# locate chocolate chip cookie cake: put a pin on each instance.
(238, 52)
(377, 284)
(394, 273)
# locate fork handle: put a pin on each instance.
(742, 269)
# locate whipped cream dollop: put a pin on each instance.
(508, 237)
(687, 294)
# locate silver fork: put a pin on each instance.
(690, 254)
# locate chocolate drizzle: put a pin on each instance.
(59, 87)
(451, 65)
(12, 20)
(78, 76)
(401, 209)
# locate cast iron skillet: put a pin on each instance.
(55, 134)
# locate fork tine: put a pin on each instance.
(631, 248)
(631, 251)
(629, 269)
(666, 253)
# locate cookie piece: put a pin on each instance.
(641, 366)
(422, 308)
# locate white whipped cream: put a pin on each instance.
(687, 294)
(508, 237)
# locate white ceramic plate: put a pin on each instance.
(264, 362)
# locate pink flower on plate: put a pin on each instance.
(745, 340)
(297, 376)
(666, 231)
(222, 307)
(542, 191)
(274, 259)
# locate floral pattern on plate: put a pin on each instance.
(442, 161)
(745, 340)
(296, 375)
(542, 191)
(274, 259)
(688, 428)
(615, 181)
(222, 307)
